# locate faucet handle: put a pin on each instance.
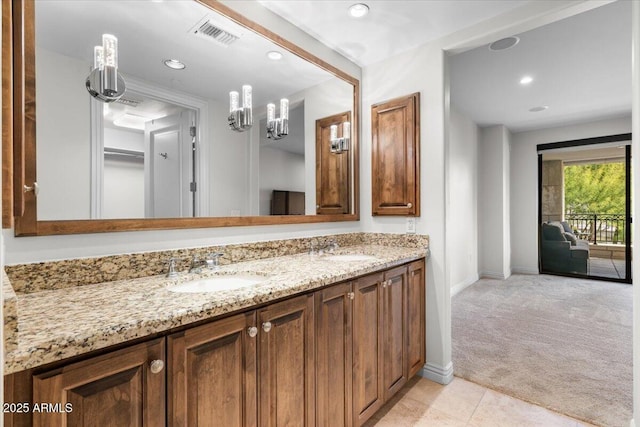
(213, 260)
(172, 268)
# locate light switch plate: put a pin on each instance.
(411, 225)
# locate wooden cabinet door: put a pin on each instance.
(286, 363)
(368, 390)
(416, 303)
(395, 169)
(334, 356)
(394, 330)
(114, 390)
(333, 176)
(212, 376)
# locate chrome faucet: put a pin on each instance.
(211, 262)
(172, 268)
(317, 249)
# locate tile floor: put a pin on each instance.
(462, 403)
(604, 267)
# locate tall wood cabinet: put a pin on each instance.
(333, 171)
(395, 156)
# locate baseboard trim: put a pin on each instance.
(492, 275)
(524, 270)
(455, 289)
(437, 373)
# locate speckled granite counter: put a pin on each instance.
(61, 323)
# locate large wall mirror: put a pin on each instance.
(163, 155)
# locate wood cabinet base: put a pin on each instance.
(328, 358)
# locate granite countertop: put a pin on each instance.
(57, 324)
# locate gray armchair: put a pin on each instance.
(561, 251)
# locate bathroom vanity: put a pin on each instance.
(321, 339)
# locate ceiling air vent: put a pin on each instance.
(209, 30)
(128, 101)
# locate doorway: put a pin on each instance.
(147, 159)
(584, 202)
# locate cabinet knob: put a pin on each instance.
(252, 331)
(384, 284)
(156, 366)
(351, 295)
(266, 326)
(34, 188)
(317, 206)
(409, 205)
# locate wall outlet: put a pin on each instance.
(411, 226)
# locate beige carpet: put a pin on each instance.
(562, 343)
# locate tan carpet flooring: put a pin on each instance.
(562, 343)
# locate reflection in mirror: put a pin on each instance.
(165, 148)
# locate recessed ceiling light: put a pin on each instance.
(538, 109)
(174, 64)
(358, 10)
(526, 80)
(502, 44)
(274, 55)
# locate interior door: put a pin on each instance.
(169, 170)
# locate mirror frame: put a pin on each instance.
(19, 207)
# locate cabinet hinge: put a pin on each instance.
(193, 186)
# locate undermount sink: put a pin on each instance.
(350, 257)
(218, 283)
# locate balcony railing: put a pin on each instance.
(598, 228)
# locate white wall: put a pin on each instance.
(125, 139)
(229, 159)
(123, 181)
(462, 206)
(279, 170)
(493, 218)
(524, 183)
(62, 136)
(123, 189)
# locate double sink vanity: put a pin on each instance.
(277, 334)
(293, 339)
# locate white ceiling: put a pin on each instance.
(391, 27)
(581, 65)
(150, 31)
(581, 68)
